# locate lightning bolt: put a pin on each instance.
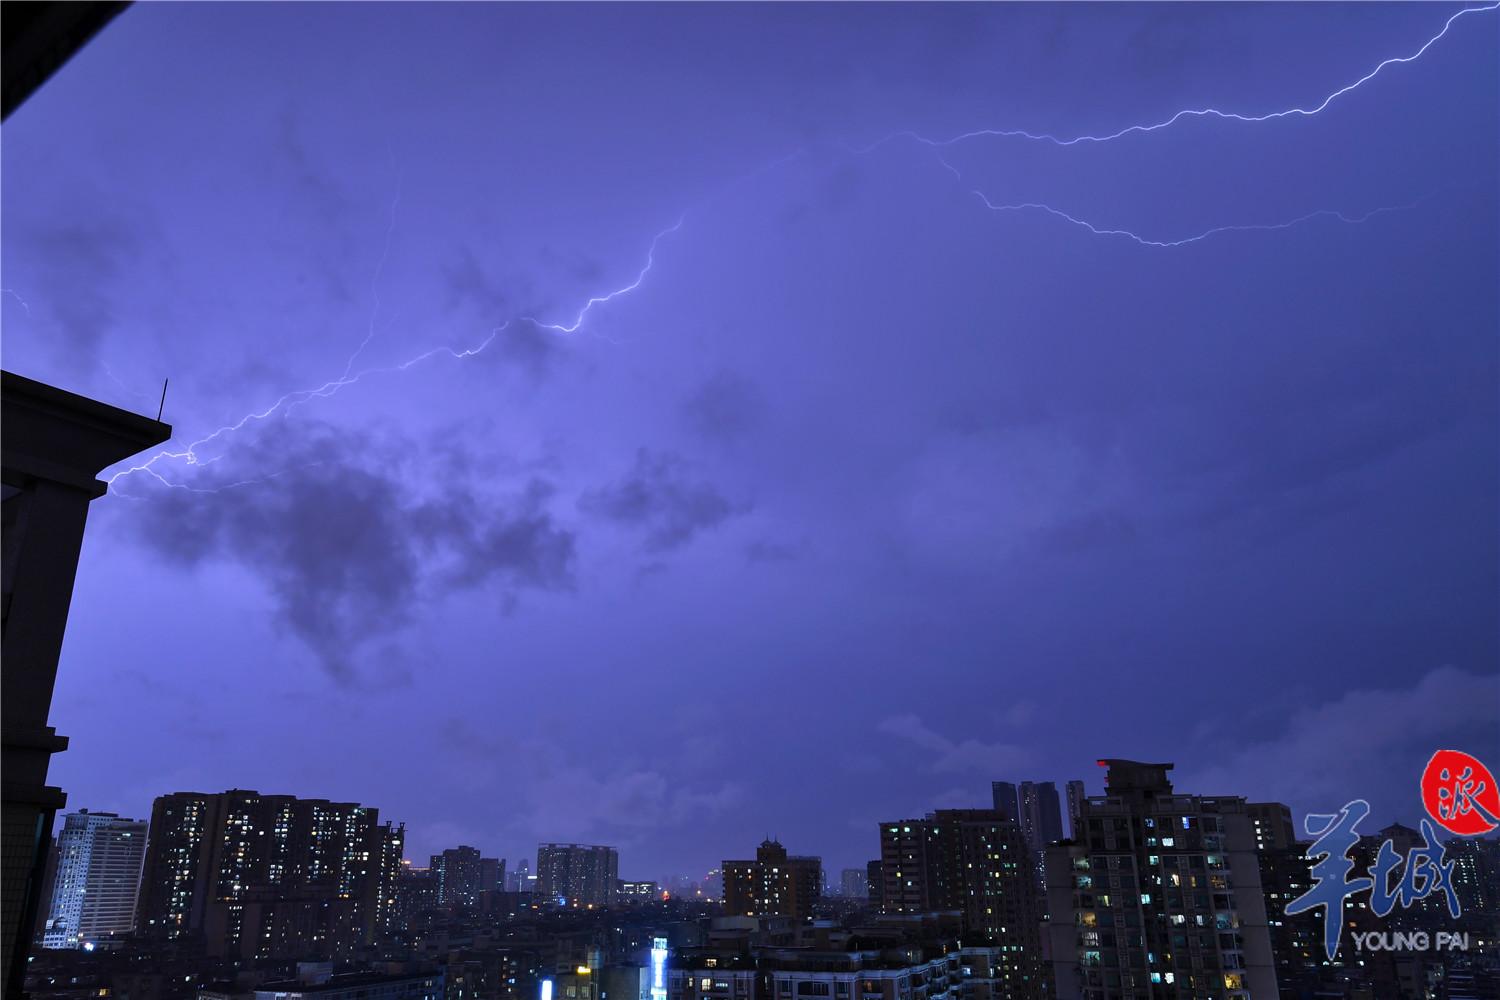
(1143, 241)
(217, 489)
(1036, 206)
(189, 454)
(385, 252)
(599, 300)
(1056, 140)
(17, 296)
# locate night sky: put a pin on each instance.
(864, 496)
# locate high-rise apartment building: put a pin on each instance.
(1296, 939)
(854, 883)
(416, 893)
(577, 875)
(491, 874)
(268, 875)
(1040, 815)
(1035, 807)
(1160, 896)
(974, 861)
(458, 872)
(774, 883)
(1476, 873)
(98, 871)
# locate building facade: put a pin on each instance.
(255, 875)
(774, 883)
(1271, 823)
(577, 875)
(974, 862)
(93, 900)
(491, 874)
(1161, 897)
(458, 872)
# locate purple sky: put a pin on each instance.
(865, 496)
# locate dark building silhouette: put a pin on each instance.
(1036, 808)
(1040, 816)
(268, 876)
(491, 874)
(1004, 798)
(975, 862)
(875, 884)
(1272, 823)
(1296, 939)
(54, 445)
(39, 38)
(1075, 795)
(774, 883)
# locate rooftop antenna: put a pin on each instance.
(163, 403)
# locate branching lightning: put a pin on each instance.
(1186, 113)
(191, 453)
(599, 300)
(218, 489)
(1143, 241)
(1036, 206)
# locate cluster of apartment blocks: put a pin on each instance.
(261, 876)
(1156, 894)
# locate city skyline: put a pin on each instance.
(583, 445)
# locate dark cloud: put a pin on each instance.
(347, 545)
(79, 261)
(659, 497)
(725, 407)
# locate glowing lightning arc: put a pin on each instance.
(1245, 228)
(189, 454)
(1186, 113)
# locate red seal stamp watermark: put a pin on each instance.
(1460, 793)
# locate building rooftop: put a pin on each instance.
(51, 433)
